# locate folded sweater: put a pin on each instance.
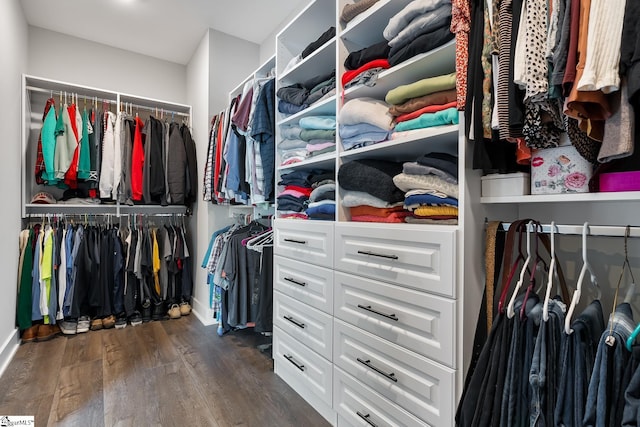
(423, 24)
(318, 122)
(422, 87)
(422, 44)
(423, 110)
(406, 182)
(360, 57)
(414, 104)
(372, 176)
(351, 10)
(366, 110)
(352, 74)
(351, 198)
(445, 117)
(414, 9)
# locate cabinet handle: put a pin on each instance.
(379, 313)
(289, 279)
(292, 320)
(378, 255)
(300, 242)
(368, 364)
(290, 359)
(366, 418)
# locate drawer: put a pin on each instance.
(306, 241)
(419, 258)
(304, 282)
(417, 384)
(418, 321)
(306, 324)
(358, 405)
(309, 374)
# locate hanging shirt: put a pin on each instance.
(108, 157)
(46, 272)
(62, 275)
(84, 161)
(66, 144)
(137, 161)
(36, 314)
(45, 172)
(155, 257)
(117, 154)
(71, 176)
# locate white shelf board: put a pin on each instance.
(323, 161)
(439, 138)
(321, 61)
(307, 26)
(325, 107)
(633, 196)
(366, 29)
(439, 61)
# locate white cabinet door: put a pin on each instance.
(311, 327)
(416, 320)
(305, 282)
(419, 385)
(305, 241)
(412, 256)
(358, 405)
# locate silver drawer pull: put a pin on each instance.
(368, 364)
(379, 313)
(366, 418)
(300, 242)
(378, 255)
(296, 364)
(289, 279)
(295, 322)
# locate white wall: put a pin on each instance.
(268, 46)
(70, 59)
(14, 34)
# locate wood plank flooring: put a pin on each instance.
(169, 373)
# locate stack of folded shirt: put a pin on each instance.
(322, 201)
(364, 121)
(351, 10)
(431, 188)
(426, 103)
(295, 98)
(291, 149)
(368, 189)
(319, 132)
(364, 65)
(298, 186)
(421, 26)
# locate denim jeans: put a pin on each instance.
(543, 376)
(606, 385)
(578, 357)
(631, 410)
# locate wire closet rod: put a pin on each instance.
(152, 109)
(593, 230)
(62, 92)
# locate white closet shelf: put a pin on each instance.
(33, 83)
(323, 161)
(326, 107)
(629, 196)
(359, 31)
(321, 61)
(305, 28)
(434, 63)
(439, 138)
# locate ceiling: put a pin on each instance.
(165, 29)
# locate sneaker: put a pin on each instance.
(109, 322)
(135, 319)
(146, 314)
(30, 334)
(121, 321)
(84, 323)
(174, 311)
(185, 308)
(68, 327)
(96, 324)
(159, 311)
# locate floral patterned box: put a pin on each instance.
(559, 170)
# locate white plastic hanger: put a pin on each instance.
(578, 292)
(552, 273)
(510, 307)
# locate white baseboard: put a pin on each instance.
(8, 349)
(203, 312)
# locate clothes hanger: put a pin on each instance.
(515, 227)
(512, 301)
(552, 273)
(578, 292)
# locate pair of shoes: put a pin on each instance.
(174, 311)
(159, 311)
(68, 327)
(185, 308)
(121, 321)
(84, 323)
(96, 324)
(30, 334)
(46, 332)
(135, 319)
(146, 311)
(109, 321)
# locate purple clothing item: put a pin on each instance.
(241, 117)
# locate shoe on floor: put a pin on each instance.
(174, 311)
(109, 322)
(68, 327)
(135, 319)
(146, 314)
(84, 322)
(96, 324)
(46, 332)
(185, 308)
(159, 311)
(30, 334)
(121, 321)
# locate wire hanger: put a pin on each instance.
(578, 292)
(510, 307)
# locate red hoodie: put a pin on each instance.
(137, 161)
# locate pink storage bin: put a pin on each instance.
(620, 181)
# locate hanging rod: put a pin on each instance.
(61, 92)
(152, 109)
(593, 230)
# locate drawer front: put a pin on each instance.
(306, 324)
(418, 321)
(305, 371)
(419, 385)
(304, 282)
(358, 405)
(306, 241)
(409, 256)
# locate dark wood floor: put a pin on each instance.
(169, 373)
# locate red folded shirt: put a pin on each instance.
(352, 74)
(423, 110)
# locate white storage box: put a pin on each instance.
(506, 184)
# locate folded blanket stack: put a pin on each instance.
(364, 121)
(298, 185)
(431, 188)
